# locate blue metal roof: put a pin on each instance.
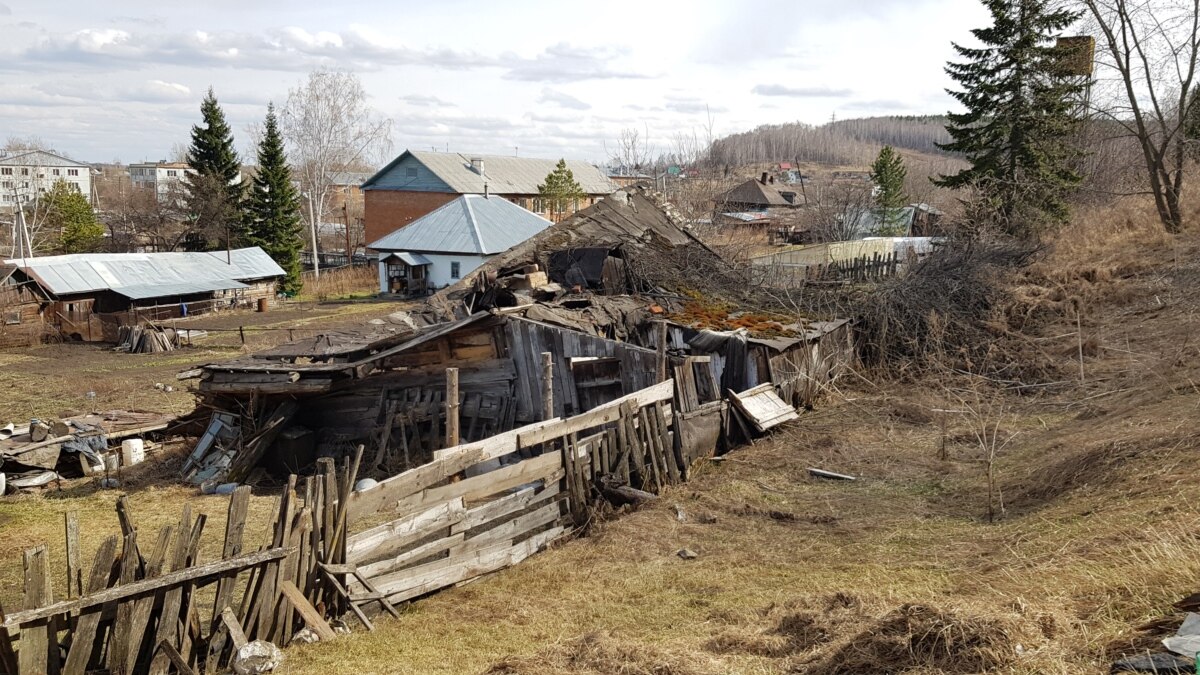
(469, 224)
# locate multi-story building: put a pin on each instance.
(164, 178)
(24, 176)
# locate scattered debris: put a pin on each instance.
(687, 554)
(679, 514)
(621, 494)
(6, 432)
(1186, 641)
(365, 484)
(305, 636)
(257, 657)
(829, 475)
(34, 480)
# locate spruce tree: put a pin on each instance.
(214, 191)
(273, 208)
(560, 189)
(888, 173)
(68, 213)
(1017, 129)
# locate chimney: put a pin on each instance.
(763, 180)
(772, 180)
(477, 165)
(485, 189)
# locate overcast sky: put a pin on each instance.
(104, 80)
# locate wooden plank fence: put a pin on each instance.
(860, 269)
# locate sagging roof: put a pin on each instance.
(136, 274)
(468, 224)
(502, 174)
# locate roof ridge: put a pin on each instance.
(471, 220)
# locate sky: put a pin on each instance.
(117, 80)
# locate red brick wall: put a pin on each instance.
(389, 210)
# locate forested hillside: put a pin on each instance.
(853, 142)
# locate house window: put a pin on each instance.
(410, 172)
(56, 172)
(12, 318)
(171, 173)
(24, 172)
(455, 270)
(7, 171)
(7, 198)
(539, 205)
(7, 184)
(72, 172)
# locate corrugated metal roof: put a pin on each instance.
(469, 224)
(39, 158)
(88, 272)
(411, 259)
(144, 291)
(504, 175)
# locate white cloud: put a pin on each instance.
(800, 92)
(562, 99)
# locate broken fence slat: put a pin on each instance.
(821, 473)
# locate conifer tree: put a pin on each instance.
(273, 208)
(1018, 122)
(68, 213)
(214, 191)
(888, 173)
(560, 189)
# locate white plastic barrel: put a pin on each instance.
(132, 452)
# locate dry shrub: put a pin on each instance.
(949, 310)
(604, 654)
(342, 282)
(920, 636)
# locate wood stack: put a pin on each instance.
(145, 339)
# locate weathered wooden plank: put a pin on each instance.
(140, 616)
(39, 641)
(418, 581)
(74, 566)
(176, 658)
(236, 635)
(384, 495)
(168, 621)
(312, 618)
(514, 528)
(406, 558)
(763, 407)
(601, 415)
(85, 626)
(118, 644)
(478, 487)
(393, 536)
(138, 588)
(504, 506)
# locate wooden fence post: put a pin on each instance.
(547, 386)
(661, 328)
(451, 407)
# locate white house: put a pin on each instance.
(25, 176)
(165, 178)
(448, 243)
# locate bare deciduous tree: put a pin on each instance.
(329, 127)
(1149, 50)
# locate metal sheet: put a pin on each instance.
(471, 224)
(502, 174)
(144, 291)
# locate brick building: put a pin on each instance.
(417, 183)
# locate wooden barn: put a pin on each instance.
(89, 296)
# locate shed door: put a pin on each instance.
(597, 381)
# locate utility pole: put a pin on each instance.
(346, 219)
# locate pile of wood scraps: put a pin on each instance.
(145, 339)
(228, 453)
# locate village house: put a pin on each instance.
(26, 175)
(416, 183)
(442, 246)
(88, 296)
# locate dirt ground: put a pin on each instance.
(899, 571)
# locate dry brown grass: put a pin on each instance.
(341, 283)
